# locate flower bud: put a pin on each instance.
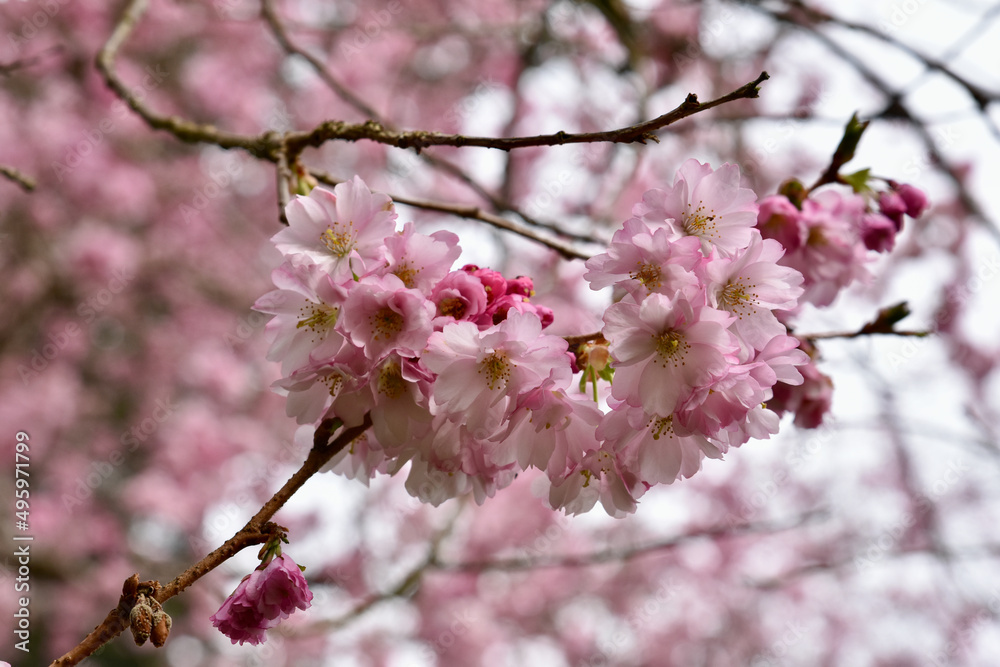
(914, 198)
(141, 621)
(161, 627)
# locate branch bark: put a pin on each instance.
(254, 532)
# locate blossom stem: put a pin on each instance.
(256, 531)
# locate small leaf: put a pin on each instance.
(858, 180)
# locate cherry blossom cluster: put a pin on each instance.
(694, 339)
(464, 387)
(371, 319)
(829, 237)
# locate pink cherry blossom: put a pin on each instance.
(706, 203)
(552, 430)
(649, 447)
(397, 397)
(832, 255)
(665, 348)
(481, 374)
(459, 296)
(599, 476)
(914, 199)
(418, 260)
(878, 232)
(310, 390)
(262, 600)
(892, 206)
(341, 231)
(780, 220)
(809, 400)
(750, 285)
(381, 316)
(643, 260)
(306, 306)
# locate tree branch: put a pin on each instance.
(256, 531)
(641, 133)
(27, 183)
(472, 213)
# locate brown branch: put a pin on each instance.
(641, 133)
(473, 213)
(981, 96)
(271, 146)
(278, 30)
(21, 63)
(896, 108)
(263, 146)
(862, 332)
(283, 177)
(256, 531)
(499, 204)
(27, 183)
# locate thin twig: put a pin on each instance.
(862, 332)
(254, 532)
(472, 213)
(278, 30)
(27, 183)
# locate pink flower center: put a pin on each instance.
(386, 323)
(390, 381)
(453, 306)
(407, 274)
(671, 347)
(338, 243)
(319, 318)
(738, 297)
(496, 368)
(649, 275)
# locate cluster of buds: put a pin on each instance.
(147, 620)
